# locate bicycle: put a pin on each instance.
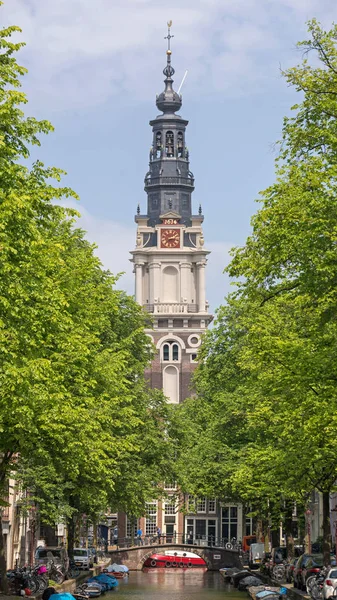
(233, 545)
(314, 584)
(279, 572)
(73, 571)
(55, 572)
(19, 579)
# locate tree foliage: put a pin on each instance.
(76, 417)
(267, 377)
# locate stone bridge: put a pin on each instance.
(215, 558)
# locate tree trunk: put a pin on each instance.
(94, 528)
(259, 530)
(71, 536)
(3, 566)
(326, 528)
(288, 528)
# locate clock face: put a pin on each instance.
(170, 238)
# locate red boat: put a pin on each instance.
(175, 560)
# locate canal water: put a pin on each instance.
(163, 584)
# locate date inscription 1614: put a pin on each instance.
(170, 238)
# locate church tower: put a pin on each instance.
(170, 258)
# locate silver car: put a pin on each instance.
(330, 583)
(82, 558)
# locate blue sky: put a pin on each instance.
(95, 67)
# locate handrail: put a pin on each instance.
(178, 539)
(169, 181)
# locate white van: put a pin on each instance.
(83, 558)
(256, 554)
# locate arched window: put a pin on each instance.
(175, 352)
(171, 384)
(166, 352)
(169, 146)
(158, 144)
(180, 144)
(171, 352)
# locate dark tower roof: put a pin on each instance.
(169, 182)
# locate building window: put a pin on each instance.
(131, 527)
(229, 523)
(180, 144)
(171, 352)
(158, 144)
(171, 485)
(151, 518)
(201, 505)
(170, 507)
(169, 146)
(166, 352)
(249, 526)
(212, 505)
(200, 529)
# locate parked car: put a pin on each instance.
(59, 556)
(83, 558)
(330, 583)
(256, 555)
(290, 566)
(311, 567)
(314, 561)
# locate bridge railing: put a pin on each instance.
(178, 538)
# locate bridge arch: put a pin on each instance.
(215, 558)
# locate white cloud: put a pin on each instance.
(81, 53)
(114, 242)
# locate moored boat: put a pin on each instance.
(175, 560)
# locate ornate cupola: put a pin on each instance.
(169, 182)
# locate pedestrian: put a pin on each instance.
(139, 537)
(159, 534)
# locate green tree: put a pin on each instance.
(270, 358)
(75, 413)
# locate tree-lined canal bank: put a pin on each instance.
(176, 585)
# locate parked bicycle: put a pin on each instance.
(233, 545)
(279, 572)
(314, 584)
(23, 578)
(73, 570)
(55, 572)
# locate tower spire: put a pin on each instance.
(169, 101)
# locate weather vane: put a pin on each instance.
(169, 36)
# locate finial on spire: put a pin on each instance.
(169, 70)
(168, 37)
(138, 209)
(200, 209)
